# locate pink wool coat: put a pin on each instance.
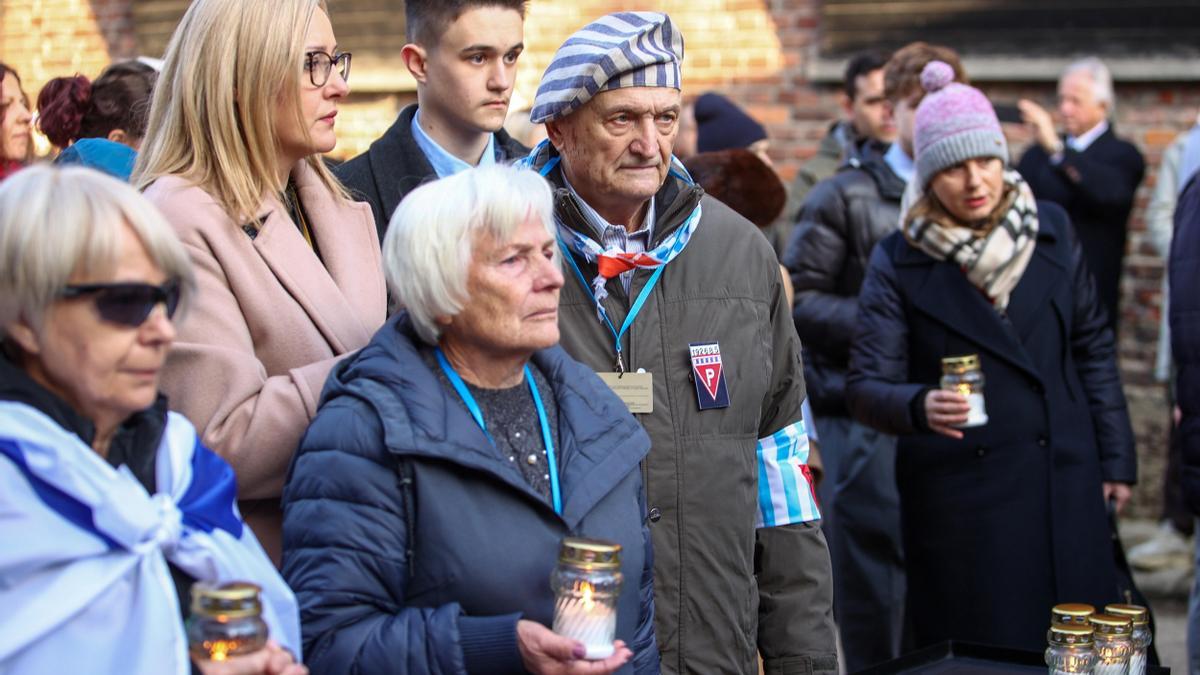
(269, 321)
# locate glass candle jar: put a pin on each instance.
(963, 375)
(226, 621)
(1112, 636)
(587, 583)
(1074, 612)
(1141, 635)
(1070, 649)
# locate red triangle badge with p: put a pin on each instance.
(707, 371)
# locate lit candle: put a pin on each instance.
(1070, 651)
(582, 618)
(226, 621)
(587, 583)
(964, 375)
(1114, 645)
(1141, 636)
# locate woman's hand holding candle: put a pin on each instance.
(944, 410)
(547, 653)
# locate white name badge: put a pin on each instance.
(635, 389)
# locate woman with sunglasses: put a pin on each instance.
(15, 144)
(288, 268)
(111, 508)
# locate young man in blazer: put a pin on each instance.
(463, 55)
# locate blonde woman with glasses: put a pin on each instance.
(288, 269)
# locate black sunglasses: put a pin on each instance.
(128, 304)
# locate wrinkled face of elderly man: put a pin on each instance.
(1078, 104)
(616, 149)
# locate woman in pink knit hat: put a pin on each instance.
(1003, 496)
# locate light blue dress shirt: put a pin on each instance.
(445, 164)
(899, 162)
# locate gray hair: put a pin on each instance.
(427, 251)
(1102, 83)
(57, 222)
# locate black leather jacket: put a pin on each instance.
(841, 221)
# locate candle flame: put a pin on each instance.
(586, 589)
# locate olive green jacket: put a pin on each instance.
(724, 590)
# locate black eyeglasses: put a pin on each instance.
(320, 64)
(128, 304)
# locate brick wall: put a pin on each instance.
(755, 51)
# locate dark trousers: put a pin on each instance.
(1175, 508)
(861, 510)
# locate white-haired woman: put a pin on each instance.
(288, 269)
(110, 509)
(452, 455)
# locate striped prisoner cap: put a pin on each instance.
(626, 49)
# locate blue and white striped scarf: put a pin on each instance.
(612, 262)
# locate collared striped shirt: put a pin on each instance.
(616, 236)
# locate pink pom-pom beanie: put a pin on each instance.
(954, 122)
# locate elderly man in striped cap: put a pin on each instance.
(677, 302)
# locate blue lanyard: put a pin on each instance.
(633, 311)
(473, 407)
(637, 303)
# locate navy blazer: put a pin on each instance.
(395, 165)
(1097, 188)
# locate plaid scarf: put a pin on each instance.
(993, 258)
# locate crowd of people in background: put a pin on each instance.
(385, 390)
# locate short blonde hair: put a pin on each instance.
(56, 222)
(212, 119)
(427, 251)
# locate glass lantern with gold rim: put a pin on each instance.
(1071, 612)
(1141, 635)
(1113, 637)
(587, 583)
(963, 375)
(226, 621)
(1070, 649)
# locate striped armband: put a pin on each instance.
(786, 494)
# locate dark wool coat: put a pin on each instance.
(999, 526)
(1184, 268)
(1096, 187)
(414, 547)
(394, 165)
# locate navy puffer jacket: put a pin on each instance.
(413, 548)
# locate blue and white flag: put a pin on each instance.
(786, 493)
(84, 582)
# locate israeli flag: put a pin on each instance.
(84, 581)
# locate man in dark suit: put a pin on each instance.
(463, 55)
(1089, 171)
